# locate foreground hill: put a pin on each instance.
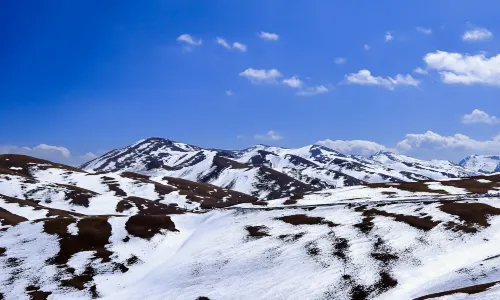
(366, 250)
(65, 235)
(68, 188)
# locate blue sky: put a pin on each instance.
(90, 76)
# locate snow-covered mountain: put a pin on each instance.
(482, 163)
(69, 234)
(158, 158)
(432, 169)
(269, 172)
(68, 188)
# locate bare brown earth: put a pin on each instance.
(301, 219)
(257, 231)
(7, 161)
(148, 207)
(366, 225)
(51, 212)
(471, 185)
(473, 289)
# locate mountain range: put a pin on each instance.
(270, 172)
(167, 220)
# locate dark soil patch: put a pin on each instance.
(418, 186)
(208, 195)
(27, 162)
(35, 293)
(340, 248)
(425, 224)
(113, 186)
(147, 207)
(473, 289)
(133, 260)
(472, 214)
(473, 186)
(301, 219)
(366, 224)
(93, 235)
(260, 203)
(81, 280)
(52, 212)
(257, 231)
(8, 218)
(148, 226)
(290, 202)
(291, 237)
(202, 298)
(312, 249)
(77, 195)
(135, 176)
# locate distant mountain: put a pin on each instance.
(269, 172)
(482, 163)
(434, 169)
(158, 158)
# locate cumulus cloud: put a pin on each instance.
(454, 142)
(388, 36)
(190, 40)
(271, 135)
(456, 68)
(366, 47)
(293, 82)
(364, 77)
(477, 34)
(239, 46)
(223, 42)
(229, 93)
(355, 147)
(261, 75)
(269, 36)
(340, 60)
(313, 91)
(420, 71)
(478, 116)
(48, 152)
(424, 30)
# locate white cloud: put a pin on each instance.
(229, 93)
(424, 30)
(355, 147)
(340, 60)
(269, 36)
(432, 140)
(456, 68)
(312, 91)
(271, 135)
(48, 152)
(366, 47)
(240, 46)
(421, 71)
(364, 77)
(479, 116)
(261, 76)
(477, 34)
(388, 36)
(188, 39)
(293, 82)
(222, 42)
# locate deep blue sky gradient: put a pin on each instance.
(97, 75)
